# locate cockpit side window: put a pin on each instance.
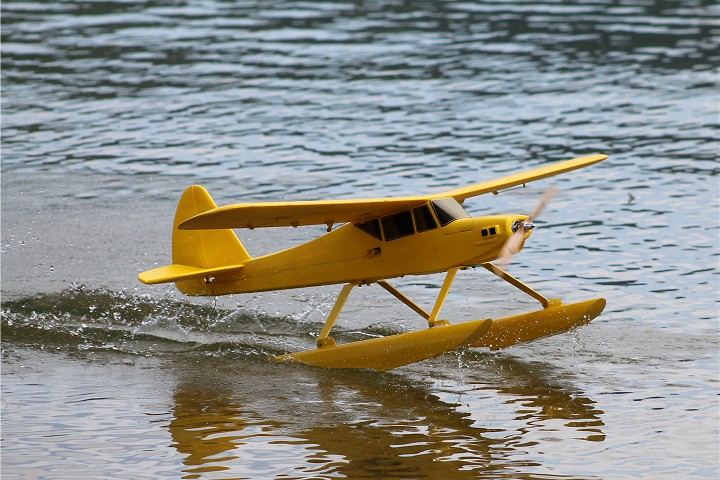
(424, 220)
(401, 224)
(448, 209)
(372, 227)
(397, 225)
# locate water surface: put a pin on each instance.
(111, 109)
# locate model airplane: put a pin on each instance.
(380, 239)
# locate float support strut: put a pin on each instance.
(447, 283)
(323, 339)
(517, 283)
(400, 296)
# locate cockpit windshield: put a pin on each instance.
(448, 209)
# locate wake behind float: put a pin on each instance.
(381, 238)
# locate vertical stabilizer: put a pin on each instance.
(203, 248)
(199, 256)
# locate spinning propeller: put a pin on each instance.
(521, 227)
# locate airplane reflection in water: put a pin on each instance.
(357, 424)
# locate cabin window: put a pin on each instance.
(397, 225)
(372, 227)
(424, 220)
(493, 231)
(448, 210)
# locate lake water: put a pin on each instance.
(111, 109)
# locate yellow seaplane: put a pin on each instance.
(379, 239)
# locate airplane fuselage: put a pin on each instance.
(350, 254)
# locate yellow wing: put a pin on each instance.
(462, 193)
(319, 212)
(286, 214)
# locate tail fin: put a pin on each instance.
(197, 254)
(203, 248)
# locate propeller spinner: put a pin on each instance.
(521, 227)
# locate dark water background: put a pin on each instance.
(110, 109)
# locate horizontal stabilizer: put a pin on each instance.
(176, 273)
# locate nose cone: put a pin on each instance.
(523, 223)
(521, 227)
